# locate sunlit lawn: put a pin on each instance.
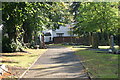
(99, 65)
(107, 47)
(21, 59)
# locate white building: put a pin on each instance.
(61, 32)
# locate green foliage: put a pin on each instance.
(23, 20)
(6, 47)
(96, 17)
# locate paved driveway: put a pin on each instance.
(57, 62)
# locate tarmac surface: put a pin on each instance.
(57, 62)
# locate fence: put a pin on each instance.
(78, 40)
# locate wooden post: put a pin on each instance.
(43, 43)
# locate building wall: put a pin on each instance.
(62, 29)
(65, 30)
(47, 38)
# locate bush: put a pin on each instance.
(10, 45)
(6, 44)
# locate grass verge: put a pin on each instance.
(99, 65)
(18, 62)
(21, 59)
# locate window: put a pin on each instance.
(59, 34)
(47, 34)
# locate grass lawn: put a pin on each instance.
(99, 65)
(21, 59)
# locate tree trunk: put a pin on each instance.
(90, 38)
(0, 39)
(42, 43)
(94, 40)
(25, 38)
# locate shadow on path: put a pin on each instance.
(57, 62)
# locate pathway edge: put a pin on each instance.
(31, 65)
(83, 66)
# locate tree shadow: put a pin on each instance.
(75, 71)
(9, 55)
(9, 62)
(82, 47)
(68, 64)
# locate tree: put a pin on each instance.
(96, 18)
(118, 30)
(23, 21)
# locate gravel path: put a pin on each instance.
(57, 62)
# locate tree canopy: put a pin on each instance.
(93, 17)
(23, 20)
